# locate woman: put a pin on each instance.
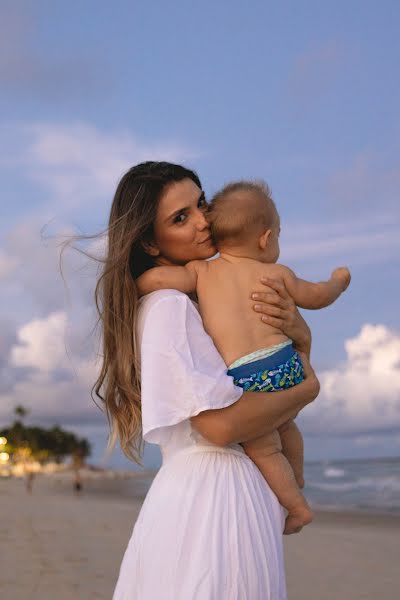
(210, 527)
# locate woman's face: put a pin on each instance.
(181, 231)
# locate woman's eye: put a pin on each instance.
(203, 203)
(180, 218)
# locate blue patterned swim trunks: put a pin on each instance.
(280, 371)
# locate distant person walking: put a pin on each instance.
(210, 527)
(77, 464)
(29, 479)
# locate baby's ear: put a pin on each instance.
(264, 238)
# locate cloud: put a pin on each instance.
(30, 271)
(7, 264)
(49, 402)
(7, 338)
(73, 158)
(362, 242)
(359, 399)
(40, 343)
(45, 360)
(362, 395)
(78, 164)
(46, 341)
(314, 73)
(49, 379)
(48, 76)
(367, 185)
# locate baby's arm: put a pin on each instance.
(316, 295)
(183, 279)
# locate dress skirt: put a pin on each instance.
(210, 529)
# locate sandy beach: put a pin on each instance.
(54, 544)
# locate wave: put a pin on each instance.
(381, 484)
(334, 472)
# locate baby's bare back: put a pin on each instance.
(224, 291)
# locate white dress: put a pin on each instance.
(210, 528)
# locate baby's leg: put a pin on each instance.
(293, 449)
(265, 452)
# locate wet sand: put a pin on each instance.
(54, 544)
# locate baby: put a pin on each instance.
(245, 227)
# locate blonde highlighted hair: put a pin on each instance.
(131, 221)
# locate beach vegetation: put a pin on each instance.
(40, 444)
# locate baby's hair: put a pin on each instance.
(241, 210)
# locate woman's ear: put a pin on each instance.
(264, 238)
(150, 248)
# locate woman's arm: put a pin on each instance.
(278, 309)
(255, 413)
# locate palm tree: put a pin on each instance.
(21, 411)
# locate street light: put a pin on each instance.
(4, 456)
(3, 441)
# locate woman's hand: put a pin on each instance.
(309, 375)
(311, 382)
(278, 309)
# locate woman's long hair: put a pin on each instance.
(132, 216)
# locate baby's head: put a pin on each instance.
(243, 217)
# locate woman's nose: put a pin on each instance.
(202, 222)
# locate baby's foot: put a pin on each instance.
(296, 520)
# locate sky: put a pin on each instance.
(303, 94)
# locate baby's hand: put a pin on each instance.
(342, 275)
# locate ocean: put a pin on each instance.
(365, 486)
(371, 486)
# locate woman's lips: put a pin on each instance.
(206, 240)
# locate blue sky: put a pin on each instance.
(303, 94)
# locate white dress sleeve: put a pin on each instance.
(182, 373)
